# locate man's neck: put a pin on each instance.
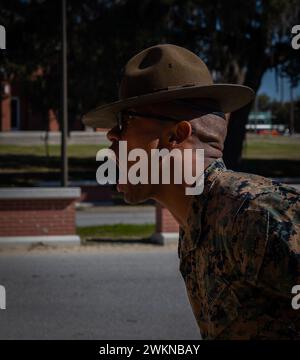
(174, 198)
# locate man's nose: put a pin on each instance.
(113, 134)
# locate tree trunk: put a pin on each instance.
(233, 146)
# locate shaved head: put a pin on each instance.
(209, 130)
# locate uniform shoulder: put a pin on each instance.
(240, 184)
(234, 192)
(250, 191)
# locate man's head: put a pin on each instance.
(180, 87)
(168, 125)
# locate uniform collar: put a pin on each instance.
(198, 204)
(211, 173)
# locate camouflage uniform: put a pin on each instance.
(240, 256)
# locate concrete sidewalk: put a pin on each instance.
(110, 215)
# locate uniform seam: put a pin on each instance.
(266, 244)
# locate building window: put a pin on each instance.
(15, 113)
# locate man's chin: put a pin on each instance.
(133, 197)
(130, 201)
(129, 198)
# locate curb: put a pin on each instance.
(49, 240)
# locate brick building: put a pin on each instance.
(16, 112)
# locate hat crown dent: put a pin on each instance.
(160, 67)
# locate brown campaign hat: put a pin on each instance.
(167, 72)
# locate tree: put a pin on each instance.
(238, 40)
(32, 54)
(263, 102)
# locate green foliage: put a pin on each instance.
(281, 111)
(263, 102)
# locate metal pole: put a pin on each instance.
(292, 120)
(64, 102)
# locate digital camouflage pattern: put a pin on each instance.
(240, 256)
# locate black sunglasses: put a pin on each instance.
(131, 114)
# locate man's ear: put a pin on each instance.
(180, 132)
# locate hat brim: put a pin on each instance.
(230, 97)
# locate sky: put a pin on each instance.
(268, 86)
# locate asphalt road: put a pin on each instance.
(106, 292)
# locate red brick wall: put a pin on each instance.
(165, 221)
(53, 122)
(37, 217)
(5, 114)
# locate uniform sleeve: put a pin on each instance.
(266, 247)
(249, 241)
(280, 269)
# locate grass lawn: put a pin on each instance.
(118, 231)
(271, 147)
(74, 151)
(272, 156)
(30, 165)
